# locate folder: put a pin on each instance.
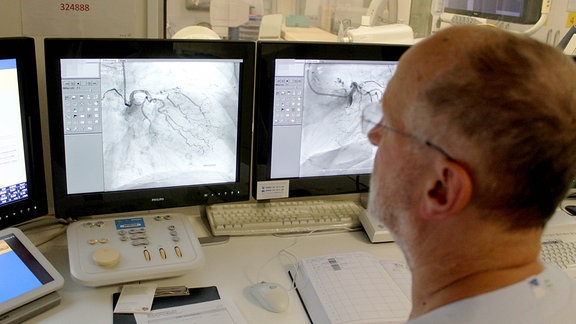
(197, 295)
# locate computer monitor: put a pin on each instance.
(22, 182)
(141, 124)
(307, 130)
(513, 11)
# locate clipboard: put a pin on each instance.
(293, 280)
(197, 295)
(352, 287)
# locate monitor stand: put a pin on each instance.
(376, 232)
(31, 309)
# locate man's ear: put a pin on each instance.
(448, 192)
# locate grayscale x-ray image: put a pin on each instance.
(334, 96)
(168, 123)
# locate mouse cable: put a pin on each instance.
(293, 259)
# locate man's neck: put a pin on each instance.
(463, 270)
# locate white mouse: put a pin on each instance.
(271, 296)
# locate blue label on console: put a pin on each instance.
(129, 223)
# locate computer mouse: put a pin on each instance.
(271, 296)
(571, 209)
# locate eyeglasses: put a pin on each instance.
(372, 116)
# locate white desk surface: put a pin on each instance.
(230, 266)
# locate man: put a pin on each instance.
(476, 147)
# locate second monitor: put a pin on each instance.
(307, 124)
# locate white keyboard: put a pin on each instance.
(559, 248)
(283, 217)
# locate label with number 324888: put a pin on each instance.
(74, 7)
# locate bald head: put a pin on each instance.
(502, 104)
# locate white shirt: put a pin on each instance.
(549, 297)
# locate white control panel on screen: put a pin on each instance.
(106, 251)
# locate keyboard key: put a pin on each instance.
(559, 248)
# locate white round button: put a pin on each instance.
(106, 257)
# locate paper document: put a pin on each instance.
(400, 273)
(354, 288)
(136, 298)
(212, 312)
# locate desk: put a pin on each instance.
(231, 267)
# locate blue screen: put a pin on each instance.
(20, 272)
(13, 267)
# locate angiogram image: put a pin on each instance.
(334, 96)
(168, 123)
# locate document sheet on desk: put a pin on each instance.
(212, 312)
(353, 287)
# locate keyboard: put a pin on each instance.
(283, 217)
(559, 248)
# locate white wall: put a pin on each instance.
(10, 18)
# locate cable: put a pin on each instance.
(293, 259)
(278, 255)
(40, 225)
(59, 231)
(40, 222)
(321, 231)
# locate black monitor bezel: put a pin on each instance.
(24, 51)
(76, 205)
(267, 52)
(530, 15)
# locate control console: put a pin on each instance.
(105, 251)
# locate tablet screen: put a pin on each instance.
(25, 274)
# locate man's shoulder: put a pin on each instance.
(548, 297)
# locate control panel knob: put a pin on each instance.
(106, 257)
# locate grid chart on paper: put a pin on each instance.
(356, 287)
(400, 273)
